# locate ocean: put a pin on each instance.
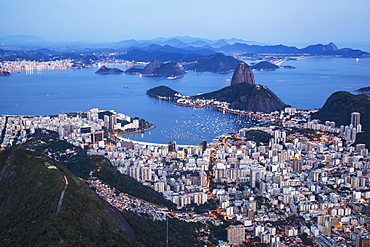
(48, 92)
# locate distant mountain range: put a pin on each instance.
(189, 45)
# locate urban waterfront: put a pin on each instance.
(49, 92)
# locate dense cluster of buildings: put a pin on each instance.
(78, 129)
(124, 201)
(300, 186)
(36, 65)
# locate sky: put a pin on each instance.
(275, 21)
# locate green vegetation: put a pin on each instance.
(153, 233)
(80, 164)
(248, 97)
(258, 136)
(126, 184)
(364, 90)
(338, 108)
(264, 65)
(217, 63)
(29, 195)
(169, 69)
(305, 239)
(162, 91)
(84, 219)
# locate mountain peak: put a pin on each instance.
(243, 74)
(155, 64)
(332, 46)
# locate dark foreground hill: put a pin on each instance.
(29, 195)
(80, 164)
(30, 190)
(338, 108)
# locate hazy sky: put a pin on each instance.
(282, 21)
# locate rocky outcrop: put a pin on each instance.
(149, 69)
(109, 71)
(170, 69)
(243, 74)
(244, 94)
(247, 97)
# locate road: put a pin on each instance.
(62, 195)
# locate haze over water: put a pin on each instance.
(50, 92)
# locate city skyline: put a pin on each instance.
(286, 21)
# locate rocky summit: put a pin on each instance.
(243, 74)
(246, 97)
(244, 94)
(149, 69)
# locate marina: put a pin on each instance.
(55, 91)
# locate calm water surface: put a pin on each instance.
(49, 92)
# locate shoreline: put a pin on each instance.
(121, 138)
(138, 131)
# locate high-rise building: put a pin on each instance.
(97, 136)
(204, 145)
(297, 165)
(171, 146)
(146, 173)
(236, 235)
(253, 178)
(112, 121)
(355, 118)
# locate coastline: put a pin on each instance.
(365, 92)
(138, 131)
(151, 143)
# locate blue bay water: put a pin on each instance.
(50, 92)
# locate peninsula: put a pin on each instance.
(242, 95)
(364, 90)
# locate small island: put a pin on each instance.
(109, 71)
(264, 66)
(4, 73)
(364, 90)
(163, 92)
(289, 67)
(171, 70)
